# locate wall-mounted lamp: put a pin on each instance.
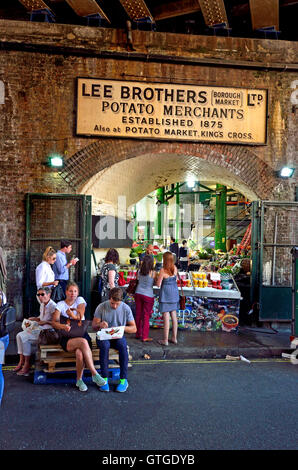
(55, 160)
(285, 172)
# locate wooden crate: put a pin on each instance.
(52, 357)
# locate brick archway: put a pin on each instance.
(235, 162)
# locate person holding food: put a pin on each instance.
(30, 335)
(73, 307)
(111, 314)
(61, 265)
(44, 274)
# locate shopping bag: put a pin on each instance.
(182, 298)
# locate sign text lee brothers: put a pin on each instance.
(113, 108)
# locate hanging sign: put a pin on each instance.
(111, 108)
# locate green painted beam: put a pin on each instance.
(221, 218)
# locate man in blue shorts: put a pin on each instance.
(113, 313)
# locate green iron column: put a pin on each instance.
(177, 228)
(160, 196)
(221, 217)
(135, 225)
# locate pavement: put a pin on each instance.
(248, 342)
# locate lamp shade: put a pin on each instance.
(286, 172)
(55, 160)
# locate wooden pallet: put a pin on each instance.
(52, 357)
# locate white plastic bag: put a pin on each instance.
(30, 326)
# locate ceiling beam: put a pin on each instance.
(86, 8)
(214, 12)
(33, 5)
(177, 8)
(137, 10)
(264, 14)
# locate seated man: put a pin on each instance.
(109, 314)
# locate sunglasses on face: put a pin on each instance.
(40, 295)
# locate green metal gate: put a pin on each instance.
(49, 218)
(295, 292)
(274, 234)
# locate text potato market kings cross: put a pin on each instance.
(113, 108)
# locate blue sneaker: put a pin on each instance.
(105, 387)
(122, 387)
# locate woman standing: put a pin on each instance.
(144, 298)
(26, 338)
(44, 273)
(74, 307)
(109, 273)
(184, 256)
(168, 297)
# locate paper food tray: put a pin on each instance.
(115, 332)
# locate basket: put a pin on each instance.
(245, 265)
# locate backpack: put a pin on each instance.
(7, 319)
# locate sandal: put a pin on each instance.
(25, 373)
(17, 368)
(163, 342)
(174, 342)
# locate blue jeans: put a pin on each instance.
(104, 347)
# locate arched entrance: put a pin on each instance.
(136, 168)
(108, 168)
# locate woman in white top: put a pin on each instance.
(74, 307)
(44, 274)
(26, 338)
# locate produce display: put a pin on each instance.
(212, 296)
(203, 314)
(210, 305)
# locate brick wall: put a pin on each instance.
(39, 64)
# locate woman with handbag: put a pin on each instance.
(144, 298)
(168, 297)
(69, 321)
(109, 273)
(30, 336)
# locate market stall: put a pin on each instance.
(212, 295)
(209, 306)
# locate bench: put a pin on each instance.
(52, 359)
